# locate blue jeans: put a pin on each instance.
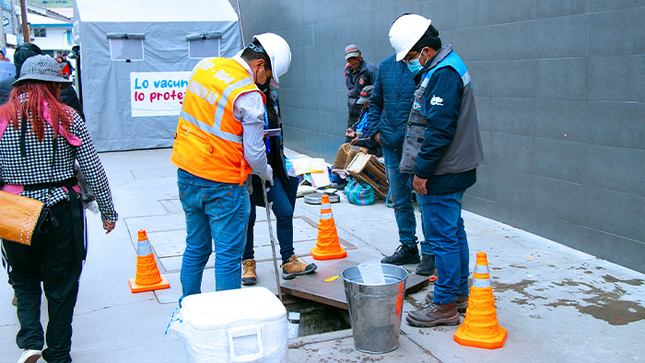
(284, 203)
(216, 212)
(444, 229)
(401, 191)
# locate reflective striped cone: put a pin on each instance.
(328, 246)
(147, 277)
(480, 327)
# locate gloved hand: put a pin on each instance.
(91, 206)
(268, 177)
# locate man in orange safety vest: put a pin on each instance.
(218, 144)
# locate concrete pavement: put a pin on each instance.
(558, 304)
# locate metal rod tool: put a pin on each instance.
(267, 206)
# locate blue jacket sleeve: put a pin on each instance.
(442, 100)
(376, 107)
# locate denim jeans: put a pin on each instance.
(444, 229)
(401, 192)
(284, 203)
(216, 212)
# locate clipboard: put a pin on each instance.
(273, 132)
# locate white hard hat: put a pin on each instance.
(279, 53)
(406, 32)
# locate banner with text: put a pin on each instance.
(157, 93)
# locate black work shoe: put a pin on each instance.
(462, 301)
(403, 255)
(427, 266)
(433, 315)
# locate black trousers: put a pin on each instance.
(52, 259)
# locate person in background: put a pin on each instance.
(68, 68)
(360, 140)
(7, 69)
(25, 50)
(219, 142)
(358, 74)
(444, 160)
(281, 195)
(41, 141)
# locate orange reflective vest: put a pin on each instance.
(208, 141)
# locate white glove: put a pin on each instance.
(91, 206)
(268, 177)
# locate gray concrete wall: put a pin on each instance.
(560, 88)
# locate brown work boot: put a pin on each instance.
(248, 274)
(434, 314)
(295, 268)
(462, 301)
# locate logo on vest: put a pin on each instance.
(207, 65)
(436, 101)
(416, 106)
(223, 76)
(202, 92)
(218, 73)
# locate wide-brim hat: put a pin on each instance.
(42, 68)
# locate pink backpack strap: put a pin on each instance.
(12, 188)
(72, 139)
(3, 126)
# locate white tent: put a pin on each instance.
(136, 58)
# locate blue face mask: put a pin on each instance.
(414, 66)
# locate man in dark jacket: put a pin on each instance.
(358, 74)
(390, 107)
(25, 50)
(443, 150)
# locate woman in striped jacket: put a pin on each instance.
(40, 139)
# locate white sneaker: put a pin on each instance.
(30, 356)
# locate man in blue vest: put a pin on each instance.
(442, 149)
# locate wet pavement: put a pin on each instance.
(558, 304)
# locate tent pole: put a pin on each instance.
(239, 13)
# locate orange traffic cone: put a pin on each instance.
(328, 247)
(147, 277)
(480, 327)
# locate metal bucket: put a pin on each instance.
(375, 309)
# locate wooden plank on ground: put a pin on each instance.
(314, 287)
